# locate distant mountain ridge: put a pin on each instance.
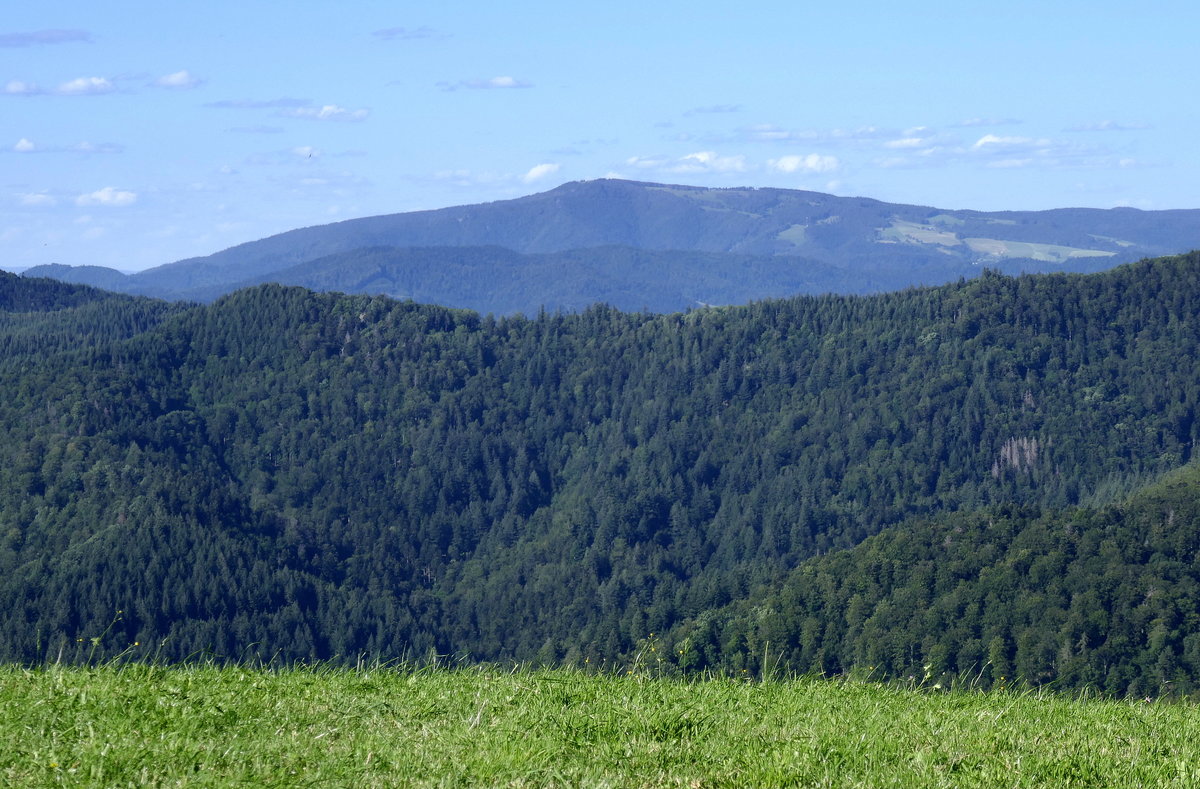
(834, 244)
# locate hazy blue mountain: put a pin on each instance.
(96, 276)
(843, 244)
(503, 281)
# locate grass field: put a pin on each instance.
(138, 725)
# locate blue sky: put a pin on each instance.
(134, 134)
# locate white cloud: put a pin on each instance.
(699, 162)
(812, 163)
(993, 142)
(1108, 126)
(306, 151)
(646, 162)
(709, 161)
(179, 80)
(86, 86)
(108, 196)
(504, 82)
(495, 83)
(328, 112)
(768, 132)
(906, 142)
(91, 147)
(38, 199)
(25, 145)
(537, 172)
(16, 87)
(1016, 152)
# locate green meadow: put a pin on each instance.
(140, 725)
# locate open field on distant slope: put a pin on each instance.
(139, 725)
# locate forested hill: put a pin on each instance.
(316, 475)
(1105, 598)
(659, 246)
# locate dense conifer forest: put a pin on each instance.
(952, 478)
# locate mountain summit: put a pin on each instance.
(663, 247)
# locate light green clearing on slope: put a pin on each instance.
(796, 234)
(902, 232)
(1022, 249)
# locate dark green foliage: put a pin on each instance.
(1106, 599)
(32, 294)
(315, 475)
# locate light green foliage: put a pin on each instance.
(140, 725)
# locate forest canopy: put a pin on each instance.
(319, 476)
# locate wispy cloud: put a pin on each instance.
(256, 129)
(290, 108)
(86, 86)
(108, 196)
(25, 145)
(43, 37)
(691, 164)
(495, 83)
(408, 33)
(95, 147)
(37, 199)
(327, 112)
(1108, 126)
(259, 104)
(540, 171)
(812, 163)
(974, 122)
(713, 109)
(179, 80)
(992, 142)
(1013, 152)
(923, 148)
(16, 87)
(767, 132)
(82, 86)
